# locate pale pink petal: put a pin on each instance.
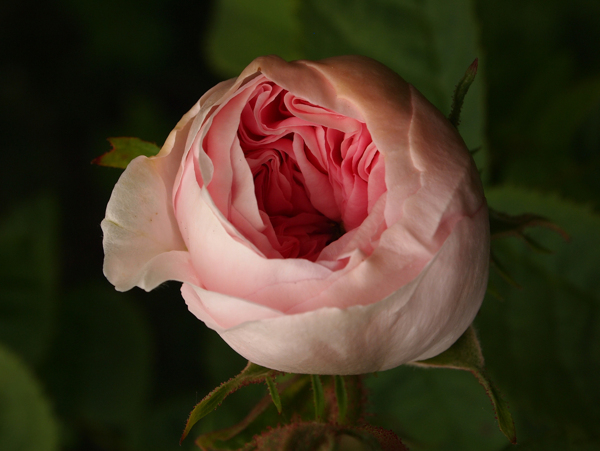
(376, 182)
(226, 261)
(317, 184)
(220, 311)
(142, 243)
(418, 321)
(220, 138)
(450, 187)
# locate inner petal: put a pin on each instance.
(310, 168)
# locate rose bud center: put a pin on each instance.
(311, 177)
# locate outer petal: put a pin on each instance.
(420, 320)
(224, 262)
(142, 243)
(426, 160)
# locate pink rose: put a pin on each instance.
(323, 217)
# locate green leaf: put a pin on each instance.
(459, 95)
(241, 31)
(341, 395)
(26, 420)
(543, 341)
(28, 277)
(465, 354)
(318, 397)
(273, 392)
(124, 150)
(251, 374)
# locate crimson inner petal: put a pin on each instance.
(301, 179)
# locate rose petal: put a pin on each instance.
(411, 267)
(450, 187)
(142, 243)
(420, 320)
(221, 311)
(225, 261)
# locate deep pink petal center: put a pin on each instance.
(311, 168)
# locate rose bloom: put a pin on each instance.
(323, 217)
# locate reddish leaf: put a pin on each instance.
(124, 150)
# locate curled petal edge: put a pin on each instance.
(142, 243)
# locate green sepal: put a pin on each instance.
(341, 395)
(503, 225)
(461, 91)
(273, 392)
(296, 402)
(475, 150)
(125, 149)
(492, 290)
(251, 374)
(465, 354)
(502, 272)
(297, 407)
(318, 396)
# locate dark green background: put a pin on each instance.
(83, 367)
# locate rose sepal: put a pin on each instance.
(251, 374)
(337, 418)
(460, 92)
(503, 225)
(465, 354)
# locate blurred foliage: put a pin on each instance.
(85, 368)
(26, 420)
(543, 342)
(28, 277)
(543, 75)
